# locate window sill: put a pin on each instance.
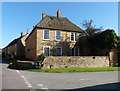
(46, 39)
(72, 41)
(58, 40)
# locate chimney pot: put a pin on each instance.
(58, 13)
(43, 15)
(22, 34)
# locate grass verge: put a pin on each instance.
(65, 70)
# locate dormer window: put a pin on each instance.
(58, 35)
(46, 34)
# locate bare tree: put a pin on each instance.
(90, 27)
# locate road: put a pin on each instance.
(18, 79)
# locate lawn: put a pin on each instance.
(61, 70)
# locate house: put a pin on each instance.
(53, 36)
(16, 48)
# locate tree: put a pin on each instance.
(90, 28)
(104, 41)
(118, 37)
(85, 37)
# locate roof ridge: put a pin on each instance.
(55, 16)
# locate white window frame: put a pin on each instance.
(71, 34)
(43, 34)
(56, 35)
(60, 52)
(47, 47)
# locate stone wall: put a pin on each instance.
(113, 57)
(24, 65)
(75, 61)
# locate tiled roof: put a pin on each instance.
(58, 23)
(15, 41)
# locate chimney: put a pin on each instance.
(43, 15)
(58, 13)
(22, 34)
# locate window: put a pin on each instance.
(72, 36)
(58, 35)
(46, 50)
(75, 51)
(58, 51)
(72, 51)
(46, 34)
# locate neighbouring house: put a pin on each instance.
(16, 48)
(53, 36)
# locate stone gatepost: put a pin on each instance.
(113, 57)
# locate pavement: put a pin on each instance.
(15, 80)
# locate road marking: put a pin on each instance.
(40, 85)
(44, 88)
(27, 83)
(83, 79)
(17, 71)
(25, 80)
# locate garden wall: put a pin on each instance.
(75, 61)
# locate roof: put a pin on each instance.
(15, 41)
(58, 23)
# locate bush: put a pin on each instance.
(39, 60)
(12, 64)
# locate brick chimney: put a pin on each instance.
(22, 34)
(58, 13)
(43, 15)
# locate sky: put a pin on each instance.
(17, 17)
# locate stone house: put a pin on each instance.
(16, 48)
(53, 36)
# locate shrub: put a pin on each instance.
(39, 60)
(12, 64)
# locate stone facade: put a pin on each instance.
(75, 61)
(35, 43)
(30, 49)
(16, 48)
(11, 50)
(65, 43)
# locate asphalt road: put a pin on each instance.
(17, 79)
(11, 79)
